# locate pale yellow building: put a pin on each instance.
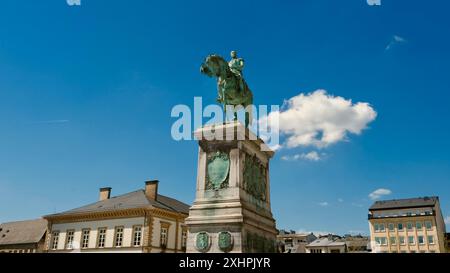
(139, 221)
(414, 225)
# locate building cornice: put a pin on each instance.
(114, 214)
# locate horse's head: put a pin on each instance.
(214, 66)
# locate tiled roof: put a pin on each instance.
(405, 203)
(22, 232)
(136, 199)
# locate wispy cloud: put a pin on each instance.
(357, 232)
(377, 194)
(324, 204)
(340, 200)
(73, 2)
(311, 156)
(54, 121)
(394, 41)
(316, 232)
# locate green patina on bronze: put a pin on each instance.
(259, 244)
(232, 88)
(218, 168)
(225, 241)
(255, 178)
(202, 241)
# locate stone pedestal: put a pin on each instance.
(231, 211)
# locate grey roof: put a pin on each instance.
(22, 232)
(405, 203)
(135, 199)
(325, 241)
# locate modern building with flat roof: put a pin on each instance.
(413, 225)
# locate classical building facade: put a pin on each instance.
(139, 221)
(414, 225)
(23, 236)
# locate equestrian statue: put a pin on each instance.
(231, 86)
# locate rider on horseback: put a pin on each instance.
(237, 65)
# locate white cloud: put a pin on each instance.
(316, 232)
(377, 194)
(311, 156)
(357, 232)
(319, 119)
(340, 200)
(447, 220)
(324, 204)
(395, 40)
(56, 121)
(73, 2)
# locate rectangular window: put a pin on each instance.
(393, 241)
(376, 227)
(391, 227)
(101, 237)
(411, 240)
(428, 225)
(379, 228)
(163, 236)
(419, 225)
(85, 238)
(118, 237)
(69, 239)
(55, 239)
(431, 240)
(421, 240)
(400, 227)
(137, 235)
(381, 241)
(183, 239)
(401, 240)
(409, 226)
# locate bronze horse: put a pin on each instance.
(228, 87)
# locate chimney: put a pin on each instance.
(105, 193)
(151, 189)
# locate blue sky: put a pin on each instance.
(86, 93)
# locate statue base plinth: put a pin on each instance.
(231, 211)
